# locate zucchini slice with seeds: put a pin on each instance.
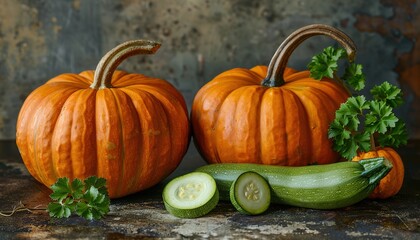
(191, 195)
(250, 193)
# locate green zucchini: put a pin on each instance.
(250, 193)
(191, 195)
(326, 186)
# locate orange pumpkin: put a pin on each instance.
(391, 184)
(131, 129)
(271, 115)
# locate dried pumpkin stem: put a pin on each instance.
(279, 61)
(111, 60)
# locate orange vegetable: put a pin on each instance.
(131, 129)
(271, 115)
(391, 184)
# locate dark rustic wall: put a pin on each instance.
(41, 39)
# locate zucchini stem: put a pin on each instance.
(375, 169)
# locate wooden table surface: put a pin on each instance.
(143, 215)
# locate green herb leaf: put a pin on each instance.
(88, 199)
(99, 183)
(354, 76)
(58, 210)
(396, 136)
(380, 118)
(77, 188)
(61, 189)
(388, 93)
(325, 64)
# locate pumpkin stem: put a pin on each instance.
(280, 58)
(111, 60)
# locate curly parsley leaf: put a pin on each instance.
(396, 136)
(88, 199)
(380, 118)
(99, 183)
(325, 64)
(61, 189)
(388, 93)
(354, 76)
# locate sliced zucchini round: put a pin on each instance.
(250, 193)
(191, 195)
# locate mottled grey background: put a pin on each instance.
(200, 39)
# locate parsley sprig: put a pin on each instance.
(360, 124)
(88, 199)
(326, 64)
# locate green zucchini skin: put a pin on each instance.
(328, 186)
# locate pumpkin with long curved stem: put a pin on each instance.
(272, 115)
(131, 129)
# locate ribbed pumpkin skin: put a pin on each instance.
(236, 119)
(391, 184)
(133, 134)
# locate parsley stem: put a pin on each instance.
(372, 143)
(280, 58)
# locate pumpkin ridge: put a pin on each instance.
(138, 97)
(215, 121)
(121, 142)
(302, 127)
(243, 77)
(310, 100)
(57, 128)
(73, 101)
(159, 97)
(235, 118)
(258, 123)
(45, 168)
(283, 138)
(25, 121)
(68, 79)
(219, 104)
(165, 103)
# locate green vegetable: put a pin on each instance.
(325, 64)
(326, 186)
(191, 195)
(88, 199)
(360, 123)
(250, 193)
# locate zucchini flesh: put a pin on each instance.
(250, 193)
(191, 195)
(326, 186)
